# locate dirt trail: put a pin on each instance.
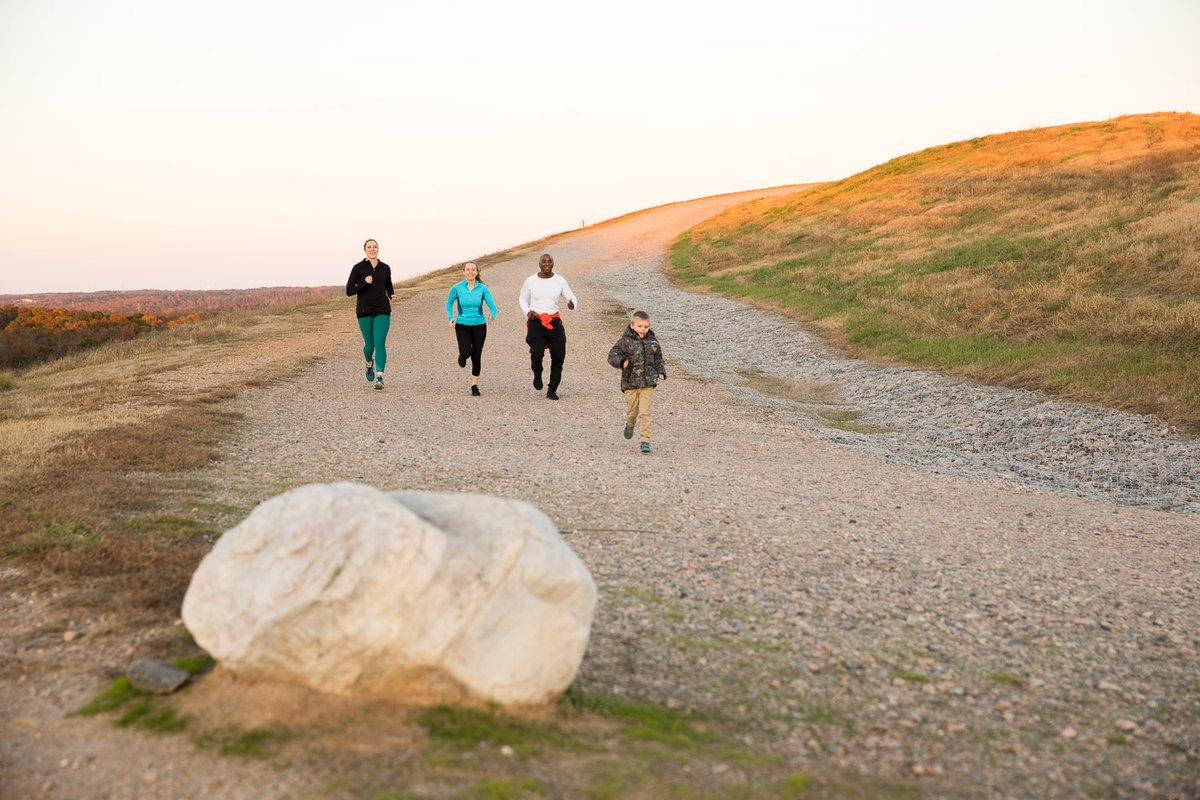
(853, 614)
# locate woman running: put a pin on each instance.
(371, 280)
(471, 326)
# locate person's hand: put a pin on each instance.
(570, 305)
(451, 323)
(662, 377)
(370, 279)
(531, 315)
(625, 364)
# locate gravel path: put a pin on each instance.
(938, 422)
(980, 635)
(985, 636)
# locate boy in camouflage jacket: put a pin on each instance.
(639, 357)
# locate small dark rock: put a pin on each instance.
(156, 677)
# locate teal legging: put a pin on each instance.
(374, 331)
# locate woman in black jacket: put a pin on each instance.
(371, 280)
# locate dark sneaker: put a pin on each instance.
(628, 431)
(474, 391)
(551, 395)
(645, 447)
(379, 382)
(370, 373)
(462, 361)
(537, 381)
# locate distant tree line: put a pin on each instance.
(54, 325)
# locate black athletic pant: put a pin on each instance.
(536, 336)
(470, 344)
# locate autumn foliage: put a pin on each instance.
(45, 327)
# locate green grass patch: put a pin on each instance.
(6, 382)
(254, 743)
(503, 789)
(821, 715)
(154, 716)
(54, 535)
(642, 720)
(911, 677)
(466, 728)
(167, 525)
(110, 698)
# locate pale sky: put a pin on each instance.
(151, 144)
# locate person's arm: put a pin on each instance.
(616, 356)
(450, 303)
(353, 284)
(524, 299)
(491, 304)
(659, 364)
(572, 301)
(390, 289)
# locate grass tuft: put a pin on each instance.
(111, 697)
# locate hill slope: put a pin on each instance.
(1061, 258)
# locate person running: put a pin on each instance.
(639, 356)
(471, 327)
(371, 280)
(543, 324)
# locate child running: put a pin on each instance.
(639, 357)
(471, 326)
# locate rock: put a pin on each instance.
(156, 677)
(1068, 733)
(1126, 725)
(415, 596)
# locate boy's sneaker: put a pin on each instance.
(645, 447)
(379, 382)
(537, 381)
(474, 391)
(462, 361)
(370, 372)
(628, 431)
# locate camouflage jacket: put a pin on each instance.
(645, 360)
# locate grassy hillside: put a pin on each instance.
(1066, 259)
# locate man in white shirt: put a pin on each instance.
(543, 326)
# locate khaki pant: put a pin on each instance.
(637, 403)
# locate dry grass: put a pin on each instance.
(91, 439)
(1061, 258)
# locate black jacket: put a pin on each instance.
(373, 296)
(645, 360)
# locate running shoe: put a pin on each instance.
(551, 395)
(628, 431)
(379, 382)
(370, 373)
(645, 447)
(474, 391)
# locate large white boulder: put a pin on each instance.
(417, 596)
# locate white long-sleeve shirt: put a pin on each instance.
(540, 295)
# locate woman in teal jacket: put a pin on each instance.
(471, 327)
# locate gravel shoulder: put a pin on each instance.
(855, 604)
